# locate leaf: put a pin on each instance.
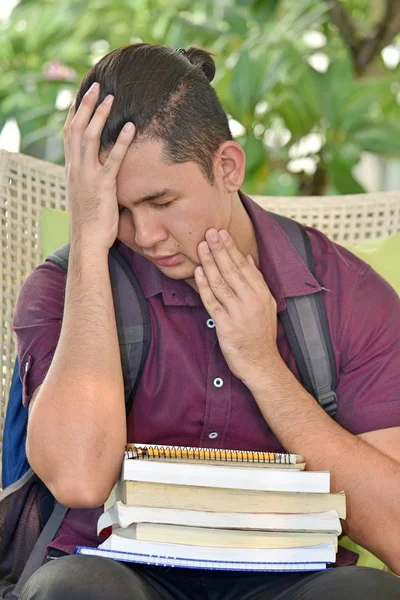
(355, 114)
(340, 174)
(291, 107)
(255, 154)
(381, 138)
(332, 89)
(245, 84)
(236, 21)
(265, 10)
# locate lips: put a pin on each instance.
(167, 261)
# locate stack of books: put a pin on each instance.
(220, 509)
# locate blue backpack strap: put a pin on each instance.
(306, 327)
(132, 317)
(14, 461)
(134, 333)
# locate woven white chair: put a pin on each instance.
(28, 185)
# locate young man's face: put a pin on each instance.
(167, 230)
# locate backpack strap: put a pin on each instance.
(39, 551)
(131, 314)
(134, 335)
(306, 327)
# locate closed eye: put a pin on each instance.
(122, 209)
(163, 205)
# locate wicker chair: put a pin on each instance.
(27, 185)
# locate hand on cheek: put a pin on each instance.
(239, 301)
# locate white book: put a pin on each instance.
(325, 553)
(121, 515)
(244, 478)
(226, 538)
(220, 565)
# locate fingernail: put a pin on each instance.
(224, 235)
(128, 126)
(213, 235)
(108, 99)
(93, 87)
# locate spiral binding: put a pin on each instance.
(206, 454)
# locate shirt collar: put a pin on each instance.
(283, 268)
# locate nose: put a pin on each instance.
(149, 232)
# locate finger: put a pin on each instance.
(211, 304)
(248, 271)
(228, 268)
(92, 134)
(67, 132)
(81, 120)
(216, 281)
(117, 154)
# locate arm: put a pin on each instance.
(370, 478)
(77, 424)
(79, 410)
(236, 296)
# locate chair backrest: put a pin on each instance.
(27, 185)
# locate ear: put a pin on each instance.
(229, 166)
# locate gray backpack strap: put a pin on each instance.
(38, 554)
(133, 323)
(131, 313)
(307, 330)
(17, 485)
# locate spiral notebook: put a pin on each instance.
(206, 564)
(168, 555)
(214, 455)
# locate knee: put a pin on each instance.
(79, 577)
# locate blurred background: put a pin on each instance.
(311, 87)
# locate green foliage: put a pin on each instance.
(264, 78)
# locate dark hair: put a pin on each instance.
(167, 94)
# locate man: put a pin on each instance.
(150, 160)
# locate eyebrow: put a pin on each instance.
(153, 196)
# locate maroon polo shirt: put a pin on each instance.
(187, 394)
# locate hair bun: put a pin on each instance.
(200, 57)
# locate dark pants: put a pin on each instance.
(97, 578)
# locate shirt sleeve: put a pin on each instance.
(369, 382)
(37, 324)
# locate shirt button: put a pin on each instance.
(218, 382)
(210, 323)
(213, 435)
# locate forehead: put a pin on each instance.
(144, 170)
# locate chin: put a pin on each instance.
(178, 272)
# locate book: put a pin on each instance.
(251, 465)
(215, 455)
(243, 477)
(121, 515)
(121, 542)
(211, 508)
(187, 563)
(226, 538)
(161, 495)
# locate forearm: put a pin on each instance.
(77, 427)
(370, 479)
